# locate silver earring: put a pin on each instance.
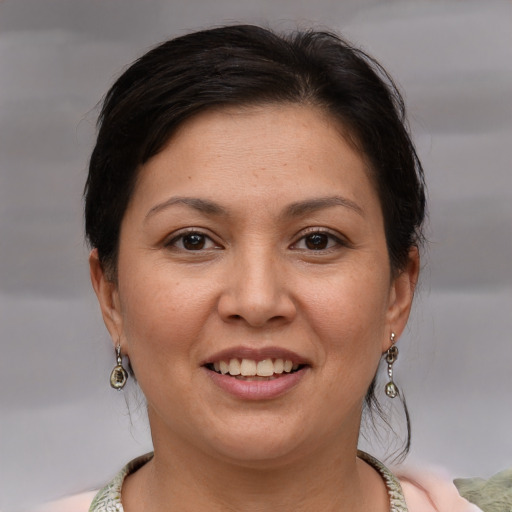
(118, 376)
(391, 357)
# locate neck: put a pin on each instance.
(181, 478)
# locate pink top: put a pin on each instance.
(431, 491)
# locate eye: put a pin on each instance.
(192, 241)
(317, 241)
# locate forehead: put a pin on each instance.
(287, 151)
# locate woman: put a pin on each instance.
(254, 204)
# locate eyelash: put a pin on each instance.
(332, 240)
(335, 241)
(173, 242)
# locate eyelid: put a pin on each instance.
(171, 240)
(341, 241)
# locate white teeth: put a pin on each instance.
(234, 367)
(248, 367)
(278, 366)
(251, 368)
(265, 368)
(224, 367)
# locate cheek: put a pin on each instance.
(349, 299)
(348, 314)
(163, 318)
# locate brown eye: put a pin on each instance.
(194, 241)
(317, 241)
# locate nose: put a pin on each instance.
(256, 290)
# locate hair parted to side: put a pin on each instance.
(245, 65)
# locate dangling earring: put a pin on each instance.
(391, 357)
(119, 376)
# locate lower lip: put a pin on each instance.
(257, 389)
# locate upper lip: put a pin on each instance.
(255, 354)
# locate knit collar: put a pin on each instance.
(108, 499)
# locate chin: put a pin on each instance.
(262, 442)
(263, 453)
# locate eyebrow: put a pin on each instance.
(296, 209)
(312, 205)
(201, 205)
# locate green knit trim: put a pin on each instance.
(108, 499)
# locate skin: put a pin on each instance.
(255, 282)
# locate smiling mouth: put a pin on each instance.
(252, 370)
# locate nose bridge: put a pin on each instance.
(256, 289)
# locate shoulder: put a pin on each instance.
(76, 503)
(431, 490)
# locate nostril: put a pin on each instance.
(254, 310)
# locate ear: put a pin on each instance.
(400, 297)
(108, 297)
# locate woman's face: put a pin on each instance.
(254, 242)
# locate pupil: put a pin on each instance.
(317, 241)
(193, 241)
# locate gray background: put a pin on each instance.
(62, 429)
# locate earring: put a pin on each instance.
(119, 376)
(391, 357)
